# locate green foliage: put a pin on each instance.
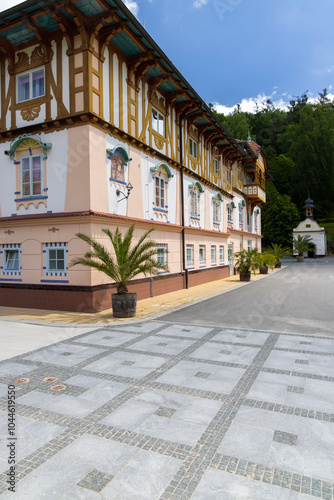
(267, 258)
(247, 260)
(279, 217)
(279, 251)
(299, 149)
(129, 260)
(301, 244)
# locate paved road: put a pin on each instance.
(298, 299)
(167, 410)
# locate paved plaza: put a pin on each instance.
(209, 402)
(155, 410)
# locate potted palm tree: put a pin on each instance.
(129, 261)
(267, 260)
(247, 261)
(278, 252)
(300, 245)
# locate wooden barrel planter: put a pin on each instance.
(124, 305)
(245, 275)
(278, 265)
(264, 270)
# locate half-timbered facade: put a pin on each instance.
(90, 107)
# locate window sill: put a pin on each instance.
(161, 210)
(37, 197)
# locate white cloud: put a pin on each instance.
(199, 3)
(248, 104)
(132, 6)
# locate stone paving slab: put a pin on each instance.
(161, 411)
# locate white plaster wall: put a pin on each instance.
(106, 87)
(125, 97)
(116, 90)
(66, 77)
(56, 169)
(318, 238)
(8, 182)
(117, 204)
(53, 106)
(147, 182)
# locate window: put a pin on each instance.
(162, 254)
(201, 255)
(240, 215)
(159, 192)
(30, 85)
(216, 211)
(228, 175)
(239, 175)
(56, 259)
(190, 255)
(11, 261)
(229, 214)
(194, 203)
(221, 253)
(158, 122)
(248, 222)
(213, 254)
(31, 175)
(193, 148)
(215, 166)
(249, 245)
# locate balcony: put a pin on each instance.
(254, 192)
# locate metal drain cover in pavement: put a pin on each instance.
(50, 379)
(22, 380)
(58, 387)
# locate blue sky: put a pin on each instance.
(244, 51)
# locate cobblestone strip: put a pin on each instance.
(289, 410)
(192, 470)
(274, 476)
(303, 351)
(324, 378)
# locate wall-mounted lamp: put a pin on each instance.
(129, 186)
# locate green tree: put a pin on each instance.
(279, 217)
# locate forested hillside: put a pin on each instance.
(299, 149)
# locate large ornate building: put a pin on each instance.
(91, 106)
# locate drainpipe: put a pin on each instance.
(182, 206)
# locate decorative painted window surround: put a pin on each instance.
(119, 160)
(196, 189)
(55, 262)
(230, 207)
(216, 205)
(22, 151)
(161, 176)
(11, 261)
